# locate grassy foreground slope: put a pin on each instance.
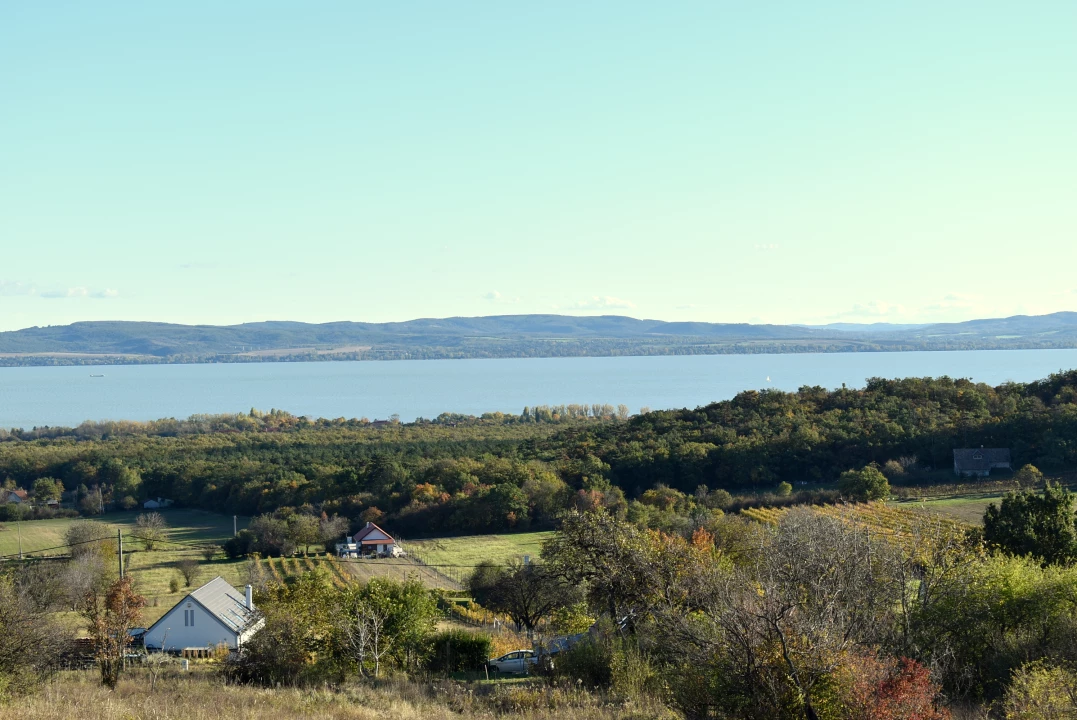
(199, 695)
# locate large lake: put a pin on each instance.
(36, 396)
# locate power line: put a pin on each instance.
(65, 546)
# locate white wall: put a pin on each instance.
(171, 633)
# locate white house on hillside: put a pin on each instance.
(213, 614)
(370, 541)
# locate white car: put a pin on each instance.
(517, 661)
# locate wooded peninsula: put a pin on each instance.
(463, 474)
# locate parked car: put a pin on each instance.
(517, 661)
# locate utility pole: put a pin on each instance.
(119, 541)
(18, 523)
(235, 526)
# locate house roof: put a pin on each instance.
(223, 602)
(371, 527)
(21, 493)
(226, 603)
(980, 459)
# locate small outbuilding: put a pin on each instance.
(979, 462)
(214, 614)
(156, 504)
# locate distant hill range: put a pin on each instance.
(507, 336)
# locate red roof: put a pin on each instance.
(23, 494)
(371, 527)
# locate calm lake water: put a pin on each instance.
(36, 396)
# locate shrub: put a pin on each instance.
(30, 643)
(1041, 692)
(458, 650)
(632, 674)
(720, 499)
(865, 484)
(588, 661)
(240, 545)
(86, 537)
(891, 688)
(188, 568)
(279, 654)
(1027, 523)
(893, 469)
(784, 489)
(1028, 476)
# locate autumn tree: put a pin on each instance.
(110, 621)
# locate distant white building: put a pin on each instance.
(371, 541)
(213, 614)
(156, 504)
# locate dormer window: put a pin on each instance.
(977, 456)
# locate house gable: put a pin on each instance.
(980, 461)
(177, 630)
(373, 534)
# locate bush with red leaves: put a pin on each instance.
(889, 688)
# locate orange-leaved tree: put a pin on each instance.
(111, 620)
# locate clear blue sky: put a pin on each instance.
(222, 162)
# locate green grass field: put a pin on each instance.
(968, 508)
(153, 572)
(470, 550)
(189, 526)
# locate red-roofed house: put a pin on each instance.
(371, 541)
(15, 496)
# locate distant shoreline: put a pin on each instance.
(563, 350)
(505, 336)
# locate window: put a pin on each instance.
(188, 618)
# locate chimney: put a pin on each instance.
(250, 598)
(369, 524)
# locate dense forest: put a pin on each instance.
(457, 474)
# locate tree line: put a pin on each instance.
(499, 472)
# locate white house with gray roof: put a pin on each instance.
(213, 614)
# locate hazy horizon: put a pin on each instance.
(201, 163)
(467, 317)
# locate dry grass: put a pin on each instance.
(401, 569)
(194, 696)
(472, 549)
